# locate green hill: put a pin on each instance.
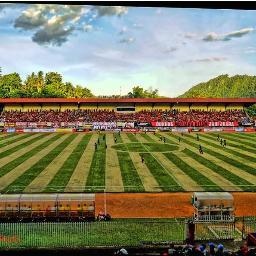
(223, 86)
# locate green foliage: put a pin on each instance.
(251, 110)
(40, 85)
(139, 92)
(223, 86)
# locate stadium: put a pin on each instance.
(126, 130)
(137, 159)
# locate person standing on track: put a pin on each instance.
(197, 137)
(164, 140)
(218, 137)
(224, 143)
(221, 141)
(179, 139)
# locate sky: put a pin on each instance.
(111, 49)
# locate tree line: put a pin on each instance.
(51, 85)
(223, 86)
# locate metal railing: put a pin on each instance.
(90, 234)
(116, 233)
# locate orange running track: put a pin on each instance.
(164, 205)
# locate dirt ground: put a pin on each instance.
(164, 205)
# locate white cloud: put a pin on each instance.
(123, 31)
(88, 27)
(110, 10)
(53, 24)
(190, 35)
(136, 25)
(212, 36)
(170, 49)
(127, 40)
(210, 59)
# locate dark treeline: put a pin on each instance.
(51, 85)
(39, 85)
(223, 86)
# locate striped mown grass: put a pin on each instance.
(14, 139)
(65, 172)
(160, 174)
(20, 146)
(216, 145)
(132, 137)
(130, 177)
(147, 137)
(25, 179)
(11, 165)
(96, 177)
(222, 157)
(236, 142)
(8, 136)
(202, 180)
(236, 180)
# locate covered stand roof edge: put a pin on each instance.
(128, 100)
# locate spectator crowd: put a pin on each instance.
(182, 119)
(210, 249)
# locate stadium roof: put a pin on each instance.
(128, 100)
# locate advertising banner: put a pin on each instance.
(39, 130)
(64, 130)
(130, 130)
(239, 129)
(10, 130)
(225, 124)
(104, 125)
(32, 124)
(9, 124)
(162, 124)
(143, 124)
(249, 129)
(21, 124)
(180, 129)
(1, 124)
(19, 129)
(129, 125)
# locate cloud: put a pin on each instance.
(211, 59)
(159, 11)
(31, 18)
(110, 10)
(136, 25)
(170, 49)
(127, 40)
(190, 35)
(250, 49)
(52, 24)
(52, 35)
(88, 27)
(211, 37)
(123, 31)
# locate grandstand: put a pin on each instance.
(138, 104)
(156, 112)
